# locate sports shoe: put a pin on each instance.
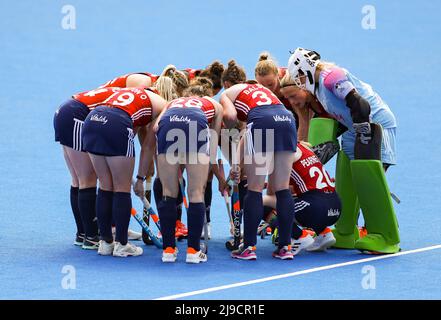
(310, 231)
(208, 231)
(362, 232)
(91, 243)
(126, 250)
(181, 230)
(169, 254)
(131, 235)
(284, 253)
(301, 243)
(79, 239)
(194, 256)
(248, 253)
(106, 249)
(323, 241)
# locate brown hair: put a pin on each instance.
(200, 86)
(234, 73)
(178, 77)
(266, 65)
(214, 73)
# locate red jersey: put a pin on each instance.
(192, 73)
(254, 95)
(309, 174)
(95, 97)
(121, 82)
(203, 104)
(134, 101)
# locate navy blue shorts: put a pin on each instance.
(68, 123)
(109, 132)
(317, 210)
(270, 129)
(183, 130)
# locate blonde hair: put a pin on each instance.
(166, 88)
(234, 73)
(200, 87)
(266, 65)
(287, 81)
(178, 77)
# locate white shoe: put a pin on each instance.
(208, 231)
(302, 243)
(170, 254)
(194, 256)
(323, 241)
(105, 249)
(126, 250)
(131, 235)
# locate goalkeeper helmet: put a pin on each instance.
(301, 67)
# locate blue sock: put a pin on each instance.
(253, 213)
(207, 199)
(86, 204)
(104, 204)
(76, 209)
(285, 215)
(122, 205)
(157, 191)
(167, 216)
(195, 221)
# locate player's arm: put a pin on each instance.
(138, 80)
(216, 126)
(305, 115)
(230, 113)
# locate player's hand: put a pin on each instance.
(364, 130)
(138, 188)
(223, 186)
(235, 174)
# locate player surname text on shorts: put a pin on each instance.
(223, 310)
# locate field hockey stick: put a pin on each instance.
(226, 195)
(146, 214)
(233, 245)
(204, 248)
(149, 209)
(181, 186)
(156, 241)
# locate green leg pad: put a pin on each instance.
(322, 130)
(376, 203)
(346, 231)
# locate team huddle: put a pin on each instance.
(276, 131)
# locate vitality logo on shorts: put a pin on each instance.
(281, 118)
(97, 118)
(176, 118)
(333, 212)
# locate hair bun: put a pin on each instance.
(217, 68)
(169, 70)
(264, 56)
(232, 63)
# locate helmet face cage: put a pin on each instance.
(302, 64)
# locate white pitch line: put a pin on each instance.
(297, 273)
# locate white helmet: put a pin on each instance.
(303, 63)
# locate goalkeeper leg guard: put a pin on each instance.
(374, 196)
(346, 231)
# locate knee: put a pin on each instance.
(87, 181)
(196, 195)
